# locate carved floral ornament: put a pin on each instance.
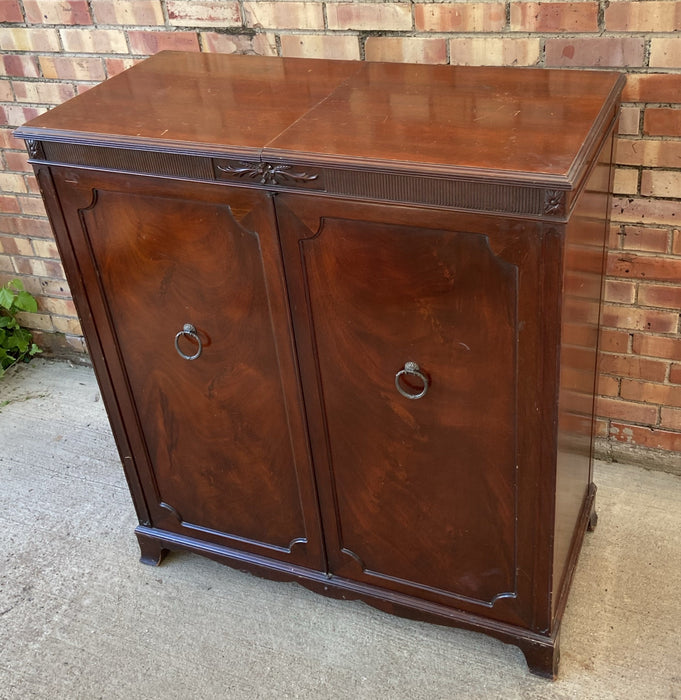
(267, 173)
(554, 202)
(34, 148)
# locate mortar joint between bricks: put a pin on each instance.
(250, 32)
(602, 6)
(91, 11)
(362, 40)
(646, 52)
(242, 13)
(164, 12)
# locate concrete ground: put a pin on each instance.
(81, 618)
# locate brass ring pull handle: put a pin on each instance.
(190, 332)
(413, 370)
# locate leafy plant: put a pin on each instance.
(16, 343)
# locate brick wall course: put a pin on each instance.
(460, 17)
(97, 41)
(626, 181)
(596, 52)
(652, 87)
(146, 43)
(652, 240)
(369, 16)
(662, 121)
(620, 316)
(657, 295)
(550, 17)
(661, 183)
(284, 15)
(626, 410)
(653, 346)
(630, 118)
(18, 65)
(6, 91)
(263, 44)
(53, 49)
(29, 39)
(76, 68)
(42, 93)
(128, 12)
(670, 418)
(649, 392)
(644, 266)
(648, 16)
(494, 51)
(665, 52)
(647, 437)
(654, 153)
(339, 46)
(675, 374)
(57, 12)
(640, 210)
(406, 49)
(620, 291)
(203, 14)
(10, 11)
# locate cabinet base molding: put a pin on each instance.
(542, 652)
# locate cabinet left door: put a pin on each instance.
(181, 292)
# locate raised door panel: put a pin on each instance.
(421, 494)
(222, 448)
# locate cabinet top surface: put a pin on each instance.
(525, 121)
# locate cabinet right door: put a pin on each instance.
(428, 472)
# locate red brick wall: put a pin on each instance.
(53, 49)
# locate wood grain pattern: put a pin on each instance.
(197, 101)
(216, 430)
(433, 502)
(363, 305)
(585, 253)
(503, 122)
(417, 119)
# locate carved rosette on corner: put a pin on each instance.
(554, 202)
(268, 174)
(34, 149)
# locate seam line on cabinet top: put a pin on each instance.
(361, 67)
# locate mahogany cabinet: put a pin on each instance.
(344, 318)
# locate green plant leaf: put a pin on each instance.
(16, 343)
(8, 322)
(6, 298)
(25, 302)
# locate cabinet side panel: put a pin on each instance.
(586, 236)
(106, 379)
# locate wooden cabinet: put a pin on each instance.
(344, 317)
